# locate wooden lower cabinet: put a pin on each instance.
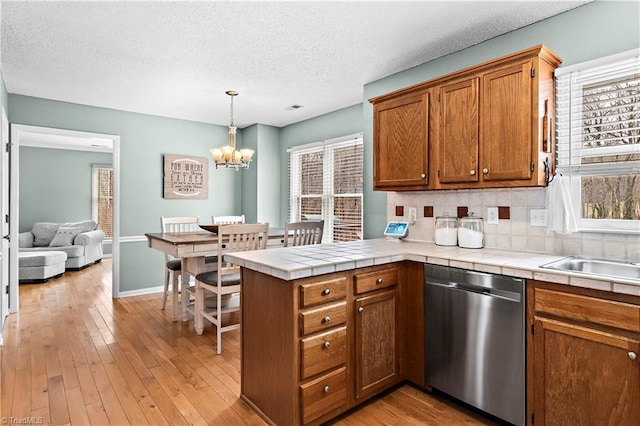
(583, 370)
(323, 351)
(376, 346)
(316, 347)
(324, 395)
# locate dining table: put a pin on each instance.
(194, 247)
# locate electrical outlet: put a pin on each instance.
(413, 214)
(492, 216)
(538, 217)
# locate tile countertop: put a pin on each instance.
(306, 261)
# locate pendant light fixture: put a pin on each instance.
(227, 156)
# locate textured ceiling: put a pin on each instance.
(176, 59)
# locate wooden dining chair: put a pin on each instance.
(303, 233)
(226, 220)
(225, 280)
(173, 266)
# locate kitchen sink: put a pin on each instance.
(602, 267)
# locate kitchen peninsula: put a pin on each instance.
(326, 327)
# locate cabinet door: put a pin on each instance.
(376, 358)
(584, 376)
(459, 132)
(400, 142)
(506, 151)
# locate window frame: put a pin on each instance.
(569, 152)
(328, 196)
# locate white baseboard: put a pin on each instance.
(141, 292)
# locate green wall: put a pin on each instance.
(269, 166)
(249, 195)
(69, 191)
(597, 29)
(342, 122)
(261, 184)
(143, 141)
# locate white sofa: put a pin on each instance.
(81, 241)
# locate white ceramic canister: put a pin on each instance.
(471, 232)
(446, 231)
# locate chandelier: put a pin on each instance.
(227, 156)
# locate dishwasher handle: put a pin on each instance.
(483, 291)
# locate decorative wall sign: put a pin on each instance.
(186, 177)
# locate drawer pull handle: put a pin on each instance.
(633, 355)
(326, 319)
(360, 309)
(327, 344)
(379, 281)
(485, 170)
(326, 389)
(472, 172)
(423, 175)
(326, 291)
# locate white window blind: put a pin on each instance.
(326, 181)
(598, 134)
(102, 198)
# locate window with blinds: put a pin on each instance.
(326, 183)
(598, 134)
(102, 198)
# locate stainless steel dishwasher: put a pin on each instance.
(475, 339)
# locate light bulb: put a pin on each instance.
(216, 154)
(246, 154)
(227, 152)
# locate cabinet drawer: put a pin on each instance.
(375, 280)
(322, 318)
(322, 352)
(322, 292)
(584, 308)
(323, 395)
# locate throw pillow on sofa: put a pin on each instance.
(43, 233)
(65, 236)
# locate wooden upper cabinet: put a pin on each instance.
(488, 126)
(400, 149)
(507, 151)
(459, 131)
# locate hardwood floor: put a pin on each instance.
(73, 355)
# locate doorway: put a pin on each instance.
(4, 223)
(46, 137)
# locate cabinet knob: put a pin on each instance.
(360, 309)
(326, 389)
(327, 344)
(423, 176)
(326, 319)
(472, 172)
(485, 170)
(326, 291)
(379, 281)
(633, 355)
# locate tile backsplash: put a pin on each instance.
(514, 233)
